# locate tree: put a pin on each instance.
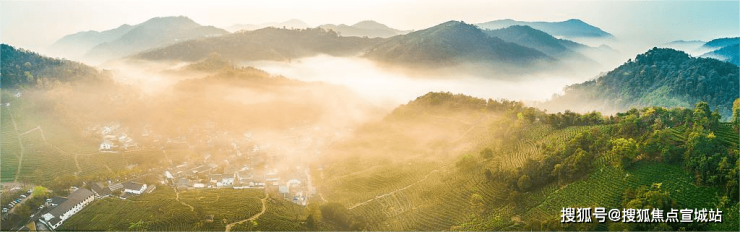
(311, 222)
(40, 191)
(524, 183)
(486, 153)
(489, 175)
(625, 149)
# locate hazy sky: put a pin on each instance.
(37, 24)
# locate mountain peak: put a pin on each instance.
(181, 20)
(370, 24)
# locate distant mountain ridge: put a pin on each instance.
(572, 28)
(155, 32)
(367, 28)
(75, 45)
(449, 44)
(730, 53)
(533, 38)
(722, 42)
(93, 46)
(289, 24)
(263, 44)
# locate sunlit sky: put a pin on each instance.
(37, 24)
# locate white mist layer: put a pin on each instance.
(387, 87)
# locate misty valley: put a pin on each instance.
(170, 125)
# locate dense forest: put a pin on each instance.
(659, 77)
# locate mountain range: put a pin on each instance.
(75, 45)
(289, 24)
(529, 37)
(127, 40)
(572, 28)
(264, 44)
(366, 28)
(449, 44)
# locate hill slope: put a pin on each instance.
(22, 68)
(730, 53)
(571, 28)
(367, 28)
(659, 77)
(449, 44)
(153, 33)
(263, 44)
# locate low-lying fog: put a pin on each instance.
(388, 88)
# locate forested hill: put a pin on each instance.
(659, 77)
(452, 43)
(722, 42)
(540, 40)
(25, 69)
(571, 28)
(264, 44)
(729, 53)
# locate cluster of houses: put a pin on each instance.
(292, 185)
(243, 170)
(114, 138)
(60, 209)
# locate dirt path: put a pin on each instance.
(394, 191)
(111, 170)
(264, 207)
(177, 197)
(77, 163)
(20, 158)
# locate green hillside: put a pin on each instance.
(659, 77)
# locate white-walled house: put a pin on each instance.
(74, 203)
(106, 146)
(227, 181)
(134, 188)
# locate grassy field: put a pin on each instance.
(160, 210)
(51, 147)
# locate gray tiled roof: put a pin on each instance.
(73, 199)
(132, 186)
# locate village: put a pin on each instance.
(280, 167)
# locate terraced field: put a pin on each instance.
(160, 210)
(605, 187)
(49, 147)
(516, 154)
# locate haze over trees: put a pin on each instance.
(659, 77)
(453, 43)
(264, 44)
(658, 131)
(367, 28)
(572, 28)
